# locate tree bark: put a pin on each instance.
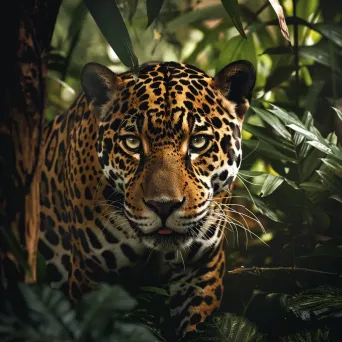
(28, 33)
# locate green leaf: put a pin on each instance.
(263, 134)
(319, 335)
(108, 18)
(286, 117)
(278, 76)
(51, 309)
(303, 131)
(314, 187)
(211, 12)
(267, 150)
(238, 48)
(157, 290)
(248, 173)
(318, 303)
(153, 8)
(99, 306)
(333, 165)
(329, 180)
(330, 31)
(232, 8)
(339, 114)
(318, 53)
(274, 122)
(263, 206)
(320, 146)
(336, 198)
(228, 327)
(270, 185)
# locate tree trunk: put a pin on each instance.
(27, 35)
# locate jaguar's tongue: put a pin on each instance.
(164, 231)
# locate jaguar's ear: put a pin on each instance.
(236, 82)
(99, 83)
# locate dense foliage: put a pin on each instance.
(283, 284)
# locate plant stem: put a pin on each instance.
(296, 51)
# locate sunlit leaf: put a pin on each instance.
(338, 113)
(108, 18)
(263, 134)
(336, 198)
(238, 48)
(153, 8)
(286, 117)
(303, 131)
(281, 17)
(271, 184)
(274, 122)
(232, 8)
(320, 146)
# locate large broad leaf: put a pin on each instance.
(107, 16)
(153, 8)
(45, 315)
(229, 328)
(238, 48)
(318, 303)
(99, 307)
(232, 8)
(270, 185)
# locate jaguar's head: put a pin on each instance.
(169, 141)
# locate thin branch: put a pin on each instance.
(259, 270)
(256, 14)
(296, 50)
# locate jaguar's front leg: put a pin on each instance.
(196, 292)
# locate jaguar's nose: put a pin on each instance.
(164, 208)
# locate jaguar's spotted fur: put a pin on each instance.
(133, 167)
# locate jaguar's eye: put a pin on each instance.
(199, 142)
(132, 142)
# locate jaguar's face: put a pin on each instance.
(169, 142)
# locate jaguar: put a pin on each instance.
(138, 166)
